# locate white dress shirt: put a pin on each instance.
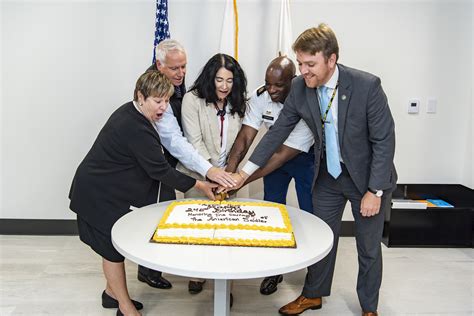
(262, 110)
(223, 156)
(173, 140)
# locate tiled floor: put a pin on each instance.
(61, 276)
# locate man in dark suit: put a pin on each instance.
(172, 63)
(348, 114)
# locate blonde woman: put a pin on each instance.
(125, 167)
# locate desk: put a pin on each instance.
(432, 227)
(132, 232)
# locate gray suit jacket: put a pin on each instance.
(365, 127)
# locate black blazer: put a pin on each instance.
(123, 168)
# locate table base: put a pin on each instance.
(222, 297)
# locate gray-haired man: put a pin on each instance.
(171, 61)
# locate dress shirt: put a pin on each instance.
(225, 127)
(331, 85)
(249, 167)
(173, 140)
(262, 110)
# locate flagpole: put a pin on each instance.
(236, 35)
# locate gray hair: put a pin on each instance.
(166, 46)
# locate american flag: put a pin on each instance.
(162, 30)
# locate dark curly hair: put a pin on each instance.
(204, 86)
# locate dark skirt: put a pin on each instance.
(99, 242)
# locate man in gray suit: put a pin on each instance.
(348, 114)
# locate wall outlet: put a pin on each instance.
(414, 106)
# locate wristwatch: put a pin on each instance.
(378, 193)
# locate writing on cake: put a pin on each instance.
(224, 212)
(229, 223)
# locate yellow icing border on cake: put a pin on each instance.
(226, 241)
(283, 212)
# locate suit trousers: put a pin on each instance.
(329, 199)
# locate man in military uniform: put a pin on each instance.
(264, 108)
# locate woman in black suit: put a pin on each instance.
(125, 167)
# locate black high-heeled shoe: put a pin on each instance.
(110, 302)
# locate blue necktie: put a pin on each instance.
(332, 154)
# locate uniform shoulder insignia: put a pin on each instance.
(261, 90)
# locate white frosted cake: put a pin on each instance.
(226, 223)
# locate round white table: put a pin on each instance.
(131, 237)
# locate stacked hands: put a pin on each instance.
(224, 182)
(229, 182)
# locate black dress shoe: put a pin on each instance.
(269, 284)
(110, 302)
(195, 287)
(156, 281)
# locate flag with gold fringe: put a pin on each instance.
(229, 43)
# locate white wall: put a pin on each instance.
(469, 165)
(1, 108)
(66, 65)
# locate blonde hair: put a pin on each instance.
(153, 83)
(317, 39)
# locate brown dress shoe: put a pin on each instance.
(370, 314)
(300, 305)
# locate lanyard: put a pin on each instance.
(221, 113)
(323, 118)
